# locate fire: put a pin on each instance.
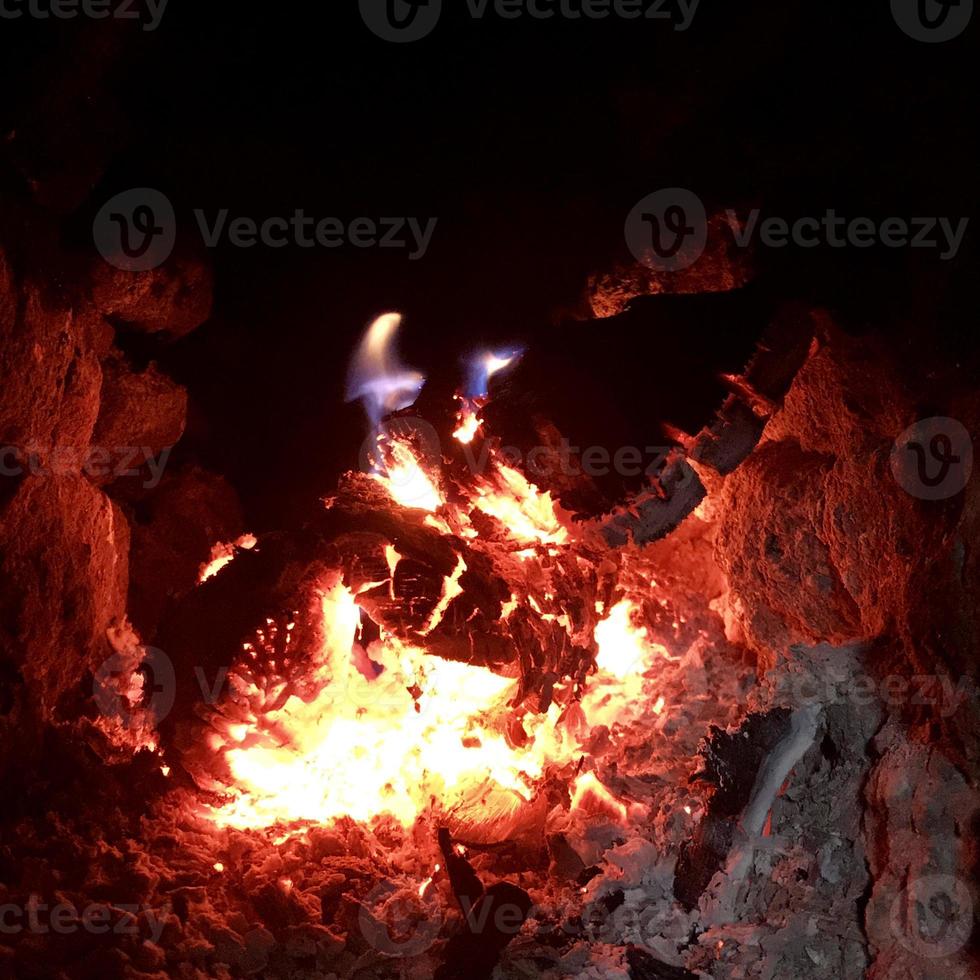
(418, 733)
(393, 732)
(377, 377)
(369, 746)
(590, 795)
(528, 514)
(469, 425)
(407, 482)
(622, 646)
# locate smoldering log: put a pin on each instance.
(557, 403)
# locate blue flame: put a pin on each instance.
(377, 377)
(484, 365)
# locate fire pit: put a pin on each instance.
(639, 644)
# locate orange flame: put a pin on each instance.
(420, 733)
(394, 732)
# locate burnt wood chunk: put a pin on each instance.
(725, 443)
(465, 882)
(490, 925)
(781, 353)
(731, 764)
(653, 516)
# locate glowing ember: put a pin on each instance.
(590, 795)
(222, 554)
(622, 646)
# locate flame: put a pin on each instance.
(622, 646)
(376, 375)
(590, 795)
(469, 425)
(484, 366)
(406, 480)
(386, 745)
(528, 513)
(402, 733)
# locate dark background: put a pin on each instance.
(529, 141)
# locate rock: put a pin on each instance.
(171, 300)
(846, 398)
(819, 542)
(771, 545)
(49, 400)
(144, 412)
(877, 536)
(65, 567)
(723, 267)
(921, 857)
